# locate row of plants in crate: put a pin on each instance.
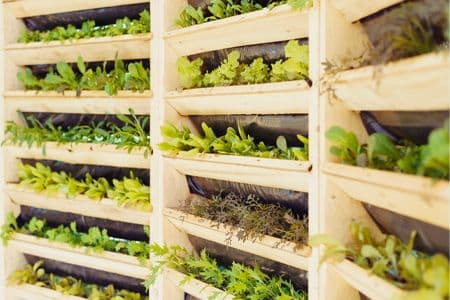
(231, 72)
(126, 192)
(89, 29)
(131, 134)
(380, 152)
(95, 238)
(68, 285)
(233, 142)
(423, 276)
(198, 12)
(134, 77)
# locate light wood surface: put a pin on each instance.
(354, 10)
(28, 291)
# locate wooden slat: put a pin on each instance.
(418, 83)
(90, 102)
(279, 24)
(93, 49)
(413, 196)
(29, 8)
(268, 247)
(84, 153)
(354, 10)
(104, 209)
(195, 287)
(275, 173)
(270, 98)
(28, 291)
(81, 256)
(370, 285)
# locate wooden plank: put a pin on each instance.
(104, 209)
(90, 102)
(269, 98)
(275, 173)
(81, 256)
(92, 49)
(355, 10)
(370, 285)
(194, 287)
(278, 24)
(413, 196)
(84, 153)
(29, 8)
(268, 247)
(28, 291)
(417, 83)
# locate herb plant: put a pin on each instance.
(129, 136)
(68, 285)
(95, 239)
(220, 9)
(391, 259)
(89, 30)
(127, 192)
(252, 218)
(232, 143)
(232, 72)
(134, 78)
(239, 280)
(431, 160)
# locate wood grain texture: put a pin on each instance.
(354, 10)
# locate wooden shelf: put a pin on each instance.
(105, 261)
(93, 49)
(269, 98)
(84, 153)
(90, 102)
(417, 83)
(278, 24)
(194, 287)
(370, 285)
(355, 10)
(267, 247)
(30, 8)
(28, 291)
(277, 173)
(413, 196)
(104, 209)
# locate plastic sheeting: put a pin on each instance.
(102, 16)
(89, 275)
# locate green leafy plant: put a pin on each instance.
(220, 9)
(252, 218)
(67, 285)
(135, 78)
(95, 239)
(129, 136)
(232, 72)
(239, 280)
(391, 259)
(128, 192)
(89, 29)
(431, 160)
(232, 143)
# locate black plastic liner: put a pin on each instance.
(41, 70)
(89, 275)
(430, 239)
(70, 120)
(264, 128)
(227, 255)
(207, 187)
(102, 16)
(414, 126)
(79, 171)
(384, 25)
(55, 218)
(270, 52)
